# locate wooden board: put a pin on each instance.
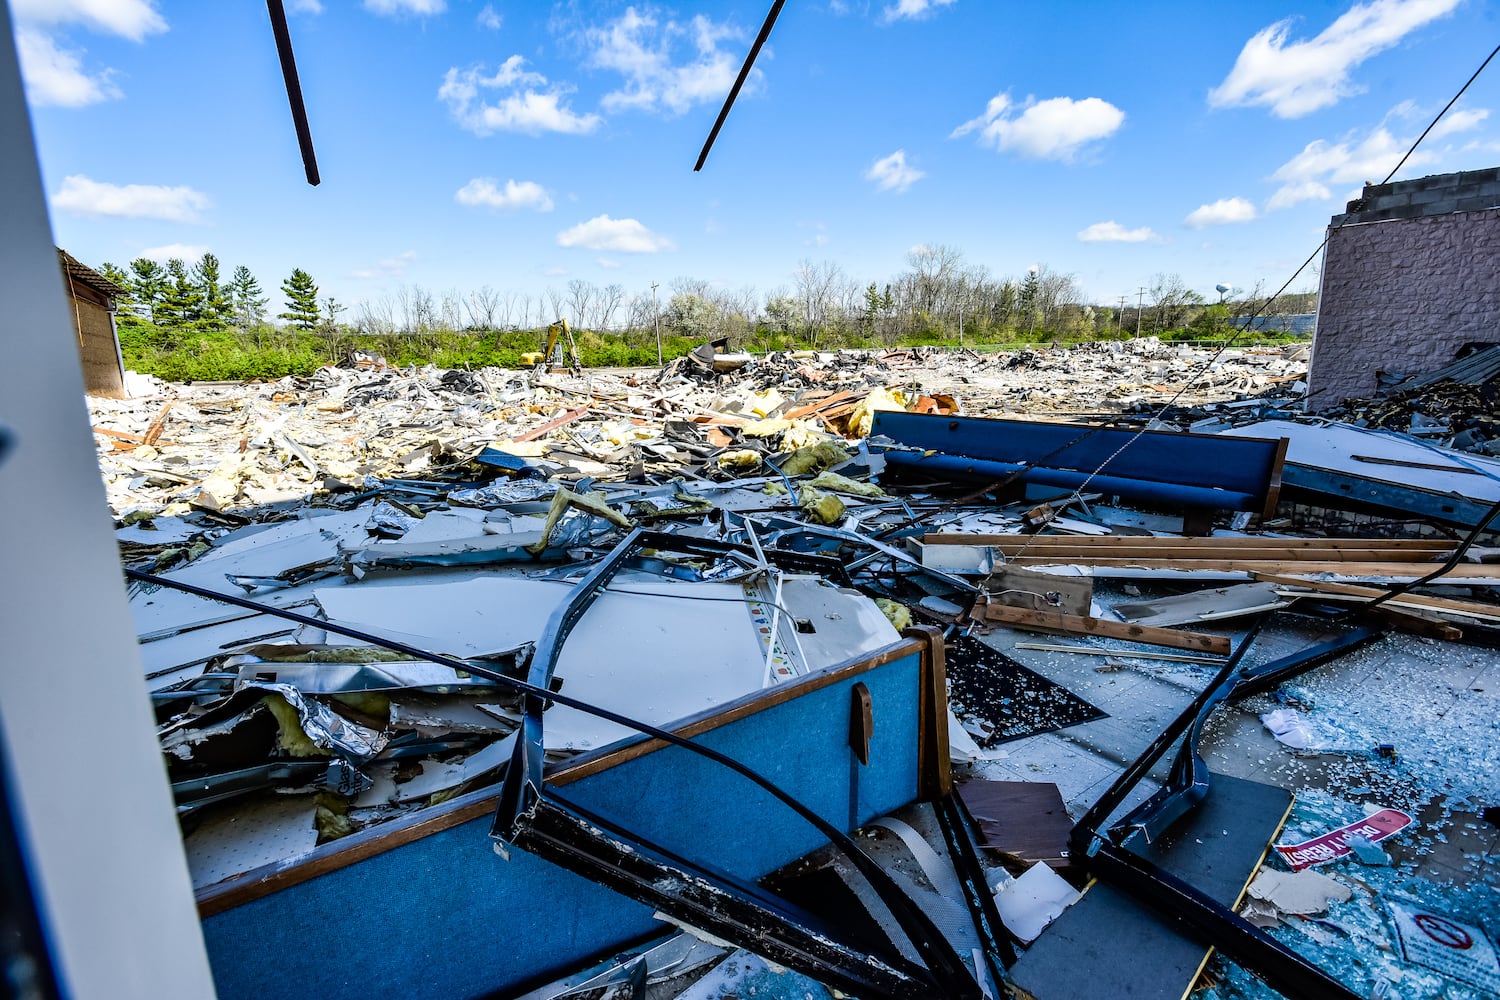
(1171, 542)
(1472, 609)
(1109, 945)
(1395, 570)
(1130, 550)
(1021, 822)
(1052, 621)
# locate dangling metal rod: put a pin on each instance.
(293, 88)
(739, 81)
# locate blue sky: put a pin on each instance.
(521, 145)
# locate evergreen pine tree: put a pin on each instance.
(213, 309)
(247, 303)
(148, 283)
(1030, 291)
(126, 303)
(178, 300)
(301, 300)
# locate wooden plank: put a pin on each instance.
(1395, 570)
(1472, 609)
(1173, 542)
(1130, 550)
(1053, 621)
(1420, 624)
(1109, 945)
(130, 440)
(552, 425)
(818, 407)
(153, 432)
(1143, 654)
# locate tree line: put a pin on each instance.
(175, 296)
(938, 297)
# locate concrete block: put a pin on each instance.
(1479, 203)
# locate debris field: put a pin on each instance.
(1185, 629)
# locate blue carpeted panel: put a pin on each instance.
(446, 917)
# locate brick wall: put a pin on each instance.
(1404, 295)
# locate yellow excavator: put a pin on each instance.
(559, 335)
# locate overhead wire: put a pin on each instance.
(1249, 322)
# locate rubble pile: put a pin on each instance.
(336, 581)
(224, 447)
(1452, 414)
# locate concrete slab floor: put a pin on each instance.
(1403, 722)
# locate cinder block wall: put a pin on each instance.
(1411, 274)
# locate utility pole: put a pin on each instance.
(1139, 298)
(1118, 315)
(656, 322)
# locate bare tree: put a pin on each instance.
(818, 289)
(581, 295)
(404, 308)
(934, 270)
(608, 303)
(1056, 294)
(638, 313)
(1171, 298)
(554, 300)
(481, 305)
(423, 310)
(450, 315)
(376, 318)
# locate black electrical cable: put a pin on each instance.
(1205, 366)
(739, 81)
(1447, 567)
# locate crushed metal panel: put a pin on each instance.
(1177, 469)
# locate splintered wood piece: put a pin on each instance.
(1029, 588)
(153, 432)
(1051, 621)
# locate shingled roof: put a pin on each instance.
(81, 273)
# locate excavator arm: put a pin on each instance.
(559, 336)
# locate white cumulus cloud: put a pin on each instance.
(54, 73)
(891, 173)
(390, 267)
(55, 76)
(1296, 78)
(644, 48)
(911, 10)
(398, 8)
(616, 235)
(526, 102)
(1113, 232)
(488, 18)
(1054, 129)
(306, 7)
(83, 196)
(1223, 212)
(132, 19)
(489, 193)
(1359, 159)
